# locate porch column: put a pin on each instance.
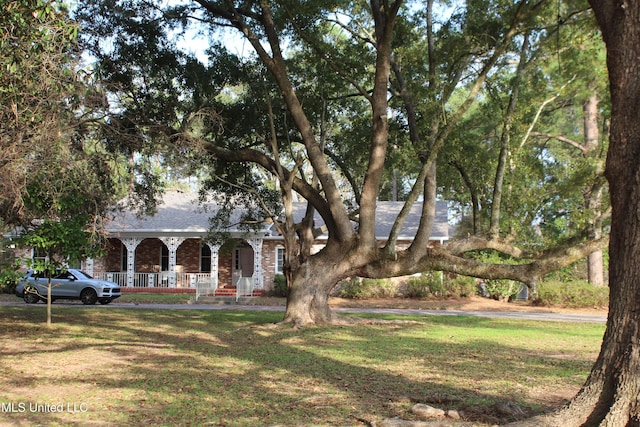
(131, 243)
(172, 244)
(215, 249)
(88, 266)
(256, 244)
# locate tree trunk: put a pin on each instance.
(310, 285)
(611, 395)
(595, 263)
(308, 299)
(49, 301)
(496, 203)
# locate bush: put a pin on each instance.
(9, 280)
(433, 285)
(573, 294)
(462, 287)
(355, 288)
(279, 286)
(417, 288)
(502, 290)
(429, 284)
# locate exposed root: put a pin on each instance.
(340, 320)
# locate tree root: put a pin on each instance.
(340, 320)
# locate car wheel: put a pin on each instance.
(104, 301)
(31, 298)
(88, 296)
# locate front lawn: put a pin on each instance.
(111, 366)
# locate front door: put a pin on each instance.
(242, 263)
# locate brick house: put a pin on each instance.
(168, 250)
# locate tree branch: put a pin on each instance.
(444, 259)
(560, 138)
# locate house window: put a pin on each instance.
(124, 258)
(205, 259)
(280, 260)
(39, 255)
(236, 262)
(164, 259)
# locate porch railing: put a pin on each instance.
(244, 287)
(205, 286)
(164, 279)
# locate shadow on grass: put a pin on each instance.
(237, 368)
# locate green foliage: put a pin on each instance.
(573, 294)
(9, 276)
(435, 285)
(416, 288)
(462, 287)
(250, 132)
(427, 285)
(61, 240)
(40, 88)
(66, 240)
(9, 267)
(498, 289)
(357, 288)
(502, 290)
(279, 286)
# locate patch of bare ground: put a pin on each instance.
(474, 303)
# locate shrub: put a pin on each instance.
(433, 285)
(462, 287)
(355, 288)
(279, 286)
(416, 288)
(9, 280)
(573, 294)
(502, 290)
(429, 284)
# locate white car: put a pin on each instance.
(68, 284)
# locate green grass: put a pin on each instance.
(155, 298)
(236, 368)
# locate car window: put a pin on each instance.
(82, 275)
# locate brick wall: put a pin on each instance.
(225, 264)
(188, 256)
(269, 262)
(113, 260)
(148, 255)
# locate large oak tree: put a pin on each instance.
(282, 129)
(610, 396)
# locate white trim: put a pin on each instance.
(279, 269)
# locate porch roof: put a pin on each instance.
(180, 214)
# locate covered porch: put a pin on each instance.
(181, 263)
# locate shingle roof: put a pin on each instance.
(181, 213)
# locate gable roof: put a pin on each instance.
(178, 213)
(181, 214)
(387, 212)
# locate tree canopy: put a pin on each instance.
(343, 104)
(49, 167)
